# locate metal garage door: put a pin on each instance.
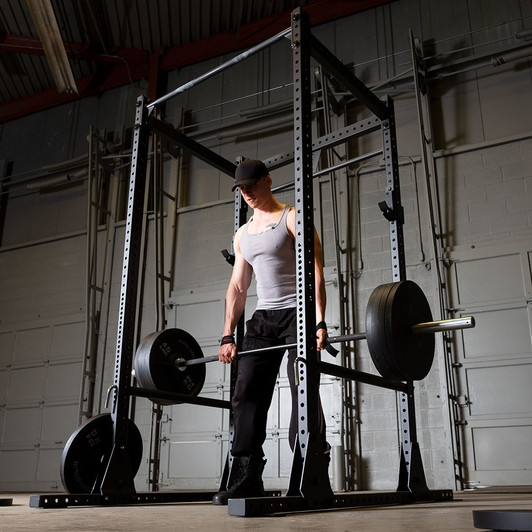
(40, 372)
(494, 362)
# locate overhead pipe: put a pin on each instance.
(512, 56)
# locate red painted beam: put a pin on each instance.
(75, 50)
(319, 12)
(102, 81)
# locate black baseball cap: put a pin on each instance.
(248, 172)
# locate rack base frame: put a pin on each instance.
(273, 503)
(67, 500)
(259, 506)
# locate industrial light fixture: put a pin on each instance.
(44, 19)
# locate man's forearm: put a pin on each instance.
(321, 300)
(321, 296)
(235, 303)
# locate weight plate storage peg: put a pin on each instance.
(399, 354)
(156, 364)
(88, 449)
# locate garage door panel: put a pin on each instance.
(503, 448)
(191, 464)
(63, 381)
(500, 333)
(49, 464)
(32, 345)
(68, 341)
(7, 342)
(26, 384)
(17, 466)
(21, 426)
(487, 279)
(194, 418)
(500, 390)
(59, 422)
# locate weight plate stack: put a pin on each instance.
(156, 364)
(398, 354)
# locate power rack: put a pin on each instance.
(309, 486)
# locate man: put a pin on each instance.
(265, 246)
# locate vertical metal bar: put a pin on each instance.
(309, 459)
(94, 293)
(157, 234)
(241, 211)
(107, 271)
(411, 472)
(89, 316)
(118, 477)
(153, 176)
(165, 241)
(338, 454)
(392, 208)
(429, 167)
(240, 217)
(92, 238)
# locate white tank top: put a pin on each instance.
(273, 259)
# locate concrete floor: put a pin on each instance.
(450, 516)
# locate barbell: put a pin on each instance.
(399, 333)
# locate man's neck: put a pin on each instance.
(269, 207)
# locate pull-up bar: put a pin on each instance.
(220, 68)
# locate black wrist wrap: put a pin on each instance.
(227, 339)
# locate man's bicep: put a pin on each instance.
(242, 273)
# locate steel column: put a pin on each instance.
(411, 472)
(240, 217)
(309, 475)
(118, 478)
(391, 207)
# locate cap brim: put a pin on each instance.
(246, 182)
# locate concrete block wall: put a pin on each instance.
(487, 192)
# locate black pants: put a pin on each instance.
(257, 376)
